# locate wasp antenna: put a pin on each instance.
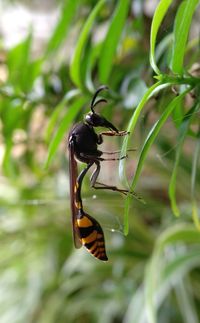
(99, 101)
(101, 88)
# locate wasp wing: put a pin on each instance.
(73, 173)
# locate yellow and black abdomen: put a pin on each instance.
(91, 235)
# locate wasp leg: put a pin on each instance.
(116, 189)
(96, 158)
(116, 151)
(111, 152)
(93, 181)
(111, 188)
(114, 133)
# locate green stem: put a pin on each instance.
(190, 80)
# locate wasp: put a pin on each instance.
(83, 144)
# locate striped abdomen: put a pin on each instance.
(91, 235)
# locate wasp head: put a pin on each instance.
(96, 120)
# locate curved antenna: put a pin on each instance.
(99, 101)
(101, 88)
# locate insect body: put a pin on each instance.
(83, 146)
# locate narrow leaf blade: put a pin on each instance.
(112, 40)
(66, 16)
(75, 67)
(181, 30)
(68, 118)
(157, 20)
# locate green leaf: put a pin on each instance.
(195, 165)
(67, 14)
(131, 126)
(22, 69)
(158, 282)
(7, 163)
(75, 67)
(181, 30)
(162, 49)
(195, 209)
(111, 41)
(153, 134)
(18, 62)
(156, 22)
(66, 121)
(57, 112)
(147, 145)
(178, 114)
(162, 273)
(156, 87)
(12, 116)
(182, 134)
(31, 72)
(86, 68)
(135, 312)
(195, 214)
(184, 295)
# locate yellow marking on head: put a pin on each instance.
(90, 238)
(78, 205)
(84, 222)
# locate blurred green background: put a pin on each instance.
(53, 55)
